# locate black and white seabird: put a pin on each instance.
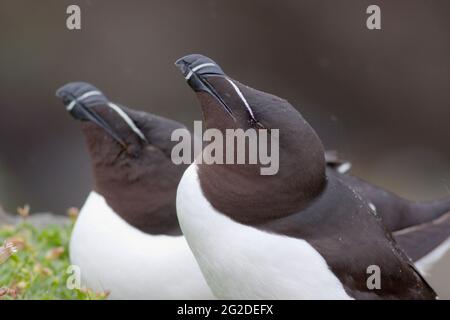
(422, 229)
(300, 234)
(397, 213)
(127, 239)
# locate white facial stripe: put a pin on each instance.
(242, 98)
(122, 114)
(208, 64)
(84, 96)
(127, 119)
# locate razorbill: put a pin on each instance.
(397, 213)
(422, 229)
(302, 233)
(127, 239)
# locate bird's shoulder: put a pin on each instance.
(340, 225)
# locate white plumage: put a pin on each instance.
(242, 262)
(131, 264)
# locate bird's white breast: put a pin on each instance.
(117, 257)
(242, 262)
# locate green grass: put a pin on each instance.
(38, 269)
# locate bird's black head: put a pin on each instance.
(213, 86)
(228, 104)
(87, 103)
(131, 157)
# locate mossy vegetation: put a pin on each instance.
(34, 262)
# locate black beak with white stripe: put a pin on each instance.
(204, 75)
(82, 99)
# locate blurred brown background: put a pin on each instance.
(381, 97)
